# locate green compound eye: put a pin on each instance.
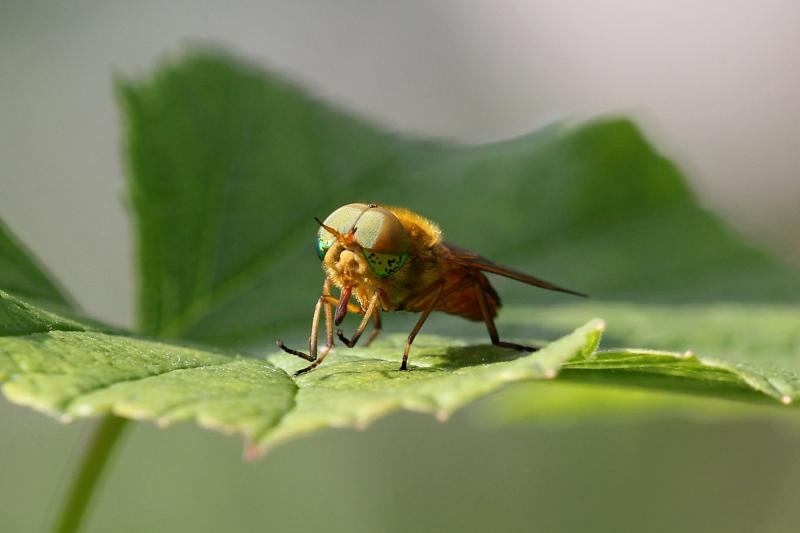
(385, 264)
(323, 246)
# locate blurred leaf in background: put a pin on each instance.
(229, 165)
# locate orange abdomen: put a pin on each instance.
(459, 298)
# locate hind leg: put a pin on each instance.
(490, 326)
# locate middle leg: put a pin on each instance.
(376, 327)
(438, 288)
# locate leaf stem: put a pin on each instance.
(90, 470)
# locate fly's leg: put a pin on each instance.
(371, 308)
(487, 317)
(376, 327)
(328, 328)
(342, 307)
(312, 339)
(334, 301)
(437, 286)
(328, 306)
(326, 301)
(329, 336)
(344, 304)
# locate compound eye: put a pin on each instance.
(380, 231)
(344, 219)
(323, 245)
(341, 220)
(385, 265)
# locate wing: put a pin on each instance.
(470, 259)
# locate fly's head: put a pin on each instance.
(361, 245)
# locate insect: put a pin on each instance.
(391, 259)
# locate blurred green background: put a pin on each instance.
(478, 71)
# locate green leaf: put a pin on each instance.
(21, 274)
(735, 349)
(732, 353)
(69, 370)
(362, 385)
(686, 369)
(765, 334)
(229, 164)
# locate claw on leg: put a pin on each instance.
(286, 349)
(347, 342)
(515, 346)
(314, 364)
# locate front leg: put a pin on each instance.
(371, 308)
(329, 321)
(325, 300)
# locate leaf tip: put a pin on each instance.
(252, 451)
